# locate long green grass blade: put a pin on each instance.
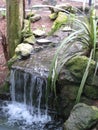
(84, 78)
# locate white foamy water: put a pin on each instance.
(28, 98)
(19, 114)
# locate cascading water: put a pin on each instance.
(28, 109)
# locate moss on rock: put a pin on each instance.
(77, 66)
(26, 30)
(30, 14)
(5, 88)
(91, 92)
(67, 99)
(70, 91)
(30, 40)
(53, 16)
(23, 49)
(60, 20)
(27, 34)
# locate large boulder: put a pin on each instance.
(77, 66)
(67, 97)
(82, 117)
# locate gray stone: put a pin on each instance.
(35, 18)
(66, 29)
(43, 41)
(82, 117)
(30, 14)
(39, 32)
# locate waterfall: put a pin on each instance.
(28, 105)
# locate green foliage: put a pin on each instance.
(85, 75)
(53, 16)
(26, 32)
(87, 35)
(12, 60)
(5, 88)
(3, 14)
(60, 20)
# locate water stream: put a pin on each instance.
(28, 109)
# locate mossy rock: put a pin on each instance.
(71, 9)
(24, 49)
(82, 117)
(63, 7)
(91, 92)
(5, 88)
(35, 18)
(69, 91)
(13, 60)
(26, 26)
(39, 32)
(77, 66)
(67, 99)
(5, 91)
(30, 40)
(26, 31)
(96, 55)
(60, 20)
(53, 16)
(30, 14)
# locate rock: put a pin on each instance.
(30, 14)
(58, 8)
(91, 92)
(30, 40)
(82, 117)
(70, 91)
(43, 41)
(77, 66)
(39, 32)
(24, 49)
(63, 7)
(53, 16)
(67, 97)
(60, 20)
(35, 18)
(26, 26)
(49, 2)
(67, 29)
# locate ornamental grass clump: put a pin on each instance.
(87, 35)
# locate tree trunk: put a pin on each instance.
(15, 15)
